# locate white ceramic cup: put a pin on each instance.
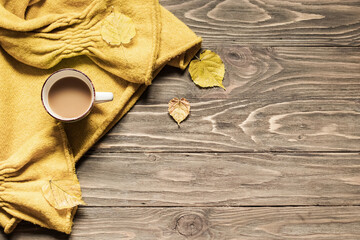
(96, 97)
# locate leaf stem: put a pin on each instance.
(122, 48)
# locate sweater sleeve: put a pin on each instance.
(42, 158)
(7, 221)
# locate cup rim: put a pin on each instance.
(71, 119)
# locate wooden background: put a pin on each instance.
(276, 156)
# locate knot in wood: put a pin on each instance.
(189, 225)
(244, 59)
(151, 158)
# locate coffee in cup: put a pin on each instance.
(69, 95)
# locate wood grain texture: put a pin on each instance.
(275, 157)
(271, 22)
(317, 223)
(183, 179)
(277, 99)
(267, 73)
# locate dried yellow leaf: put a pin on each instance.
(179, 109)
(62, 194)
(117, 29)
(208, 70)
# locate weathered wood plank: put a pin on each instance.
(168, 179)
(316, 223)
(277, 99)
(271, 22)
(240, 126)
(290, 73)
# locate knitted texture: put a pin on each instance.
(40, 37)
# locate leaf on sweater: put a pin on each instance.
(117, 29)
(208, 70)
(62, 194)
(179, 109)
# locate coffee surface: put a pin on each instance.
(69, 97)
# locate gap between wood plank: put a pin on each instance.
(92, 152)
(224, 206)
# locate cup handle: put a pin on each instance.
(101, 97)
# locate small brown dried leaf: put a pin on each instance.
(179, 109)
(62, 194)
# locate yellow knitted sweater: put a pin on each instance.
(38, 37)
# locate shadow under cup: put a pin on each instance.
(56, 78)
